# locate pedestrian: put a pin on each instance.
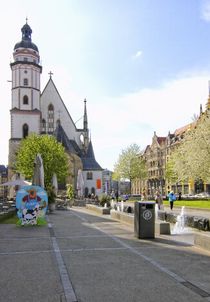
(116, 195)
(171, 199)
(180, 195)
(143, 196)
(159, 199)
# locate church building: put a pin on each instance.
(33, 111)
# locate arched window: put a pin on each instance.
(86, 192)
(93, 191)
(25, 100)
(43, 126)
(25, 130)
(25, 82)
(50, 118)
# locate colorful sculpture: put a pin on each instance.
(31, 205)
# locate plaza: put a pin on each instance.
(83, 256)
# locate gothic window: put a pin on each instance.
(86, 192)
(25, 130)
(89, 175)
(25, 82)
(25, 100)
(43, 125)
(50, 118)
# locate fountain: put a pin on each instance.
(122, 206)
(156, 211)
(179, 227)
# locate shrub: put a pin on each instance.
(104, 199)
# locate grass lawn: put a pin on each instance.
(201, 204)
(15, 220)
(10, 220)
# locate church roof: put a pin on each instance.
(89, 161)
(62, 138)
(26, 39)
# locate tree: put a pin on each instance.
(52, 153)
(170, 173)
(130, 164)
(191, 159)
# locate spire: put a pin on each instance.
(26, 32)
(26, 41)
(85, 121)
(85, 127)
(201, 109)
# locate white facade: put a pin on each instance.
(91, 184)
(50, 96)
(33, 112)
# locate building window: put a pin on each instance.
(50, 118)
(43, 125)
(25, 100)
(86, 192)
(89, 175)
(25, 130)
(25, 82)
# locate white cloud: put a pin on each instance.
(205, 10)
(133, 118)
(138, 54)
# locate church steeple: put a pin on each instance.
(26, 71)
(85, 120)
(85, 127)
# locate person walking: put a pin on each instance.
(171, 199)
(159, 200)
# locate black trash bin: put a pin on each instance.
(144, 219)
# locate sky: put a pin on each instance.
(142, 65)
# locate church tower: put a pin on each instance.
(25, 108)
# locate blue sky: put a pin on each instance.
(143, 65)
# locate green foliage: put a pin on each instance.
(51, 194)
(52, 153)
(170, 173)
(104, 199)
(130, 164)
(192, 158)
(199, 204)
(70, 191)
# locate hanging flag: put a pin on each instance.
(98, 183)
